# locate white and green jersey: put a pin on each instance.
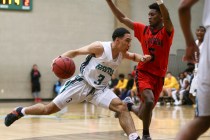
(98, 71)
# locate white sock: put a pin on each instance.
(133, 136)
(23, 111)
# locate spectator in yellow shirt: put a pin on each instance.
(121, 85)
(170, 84)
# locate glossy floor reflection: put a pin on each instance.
(85, 121)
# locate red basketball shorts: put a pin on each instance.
(145, 80)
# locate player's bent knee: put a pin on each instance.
(118, 106)
(122, 108)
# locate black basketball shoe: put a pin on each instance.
(146, 137)
(13, 116)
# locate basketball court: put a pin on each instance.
(85, 121)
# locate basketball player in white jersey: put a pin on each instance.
(201, 122)
(92, 83)
(200, 32)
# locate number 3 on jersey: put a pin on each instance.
(100, 79)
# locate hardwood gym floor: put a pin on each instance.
(87, 122)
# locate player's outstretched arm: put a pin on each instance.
(185, 22)
(93, 48)
(185, 19)
(166, 17)
(120, 16)
(137, 57)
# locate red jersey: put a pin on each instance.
(157, 44)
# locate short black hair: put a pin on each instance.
(119, 32)
(155, 6)
(121, 76)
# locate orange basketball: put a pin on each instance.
(63, 67)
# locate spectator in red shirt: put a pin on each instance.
(156, 40)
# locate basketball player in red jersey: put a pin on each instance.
(156, 40)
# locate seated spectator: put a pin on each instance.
(188, 75)
(170, 84)
(133, 94)
(190, 68)
(129, 86)
(113, 82)
(183, 87)
(121, 85)
(186, 96)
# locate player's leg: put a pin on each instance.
(40, 109)
(202, 122)
(136, 109)
(145, 83)
(125, 118)
(150, 97)
(70, 94)
(37, 109)
(194, 129)
(145, 111)
(109, 100)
